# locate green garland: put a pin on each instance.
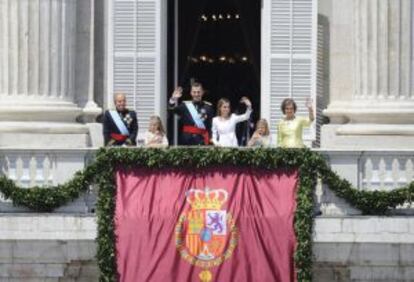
(101, 172)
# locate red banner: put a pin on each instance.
(219, 224)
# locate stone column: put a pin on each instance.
(91, 109)
(37, 74)
(378, 110)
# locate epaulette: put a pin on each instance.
(208, 103)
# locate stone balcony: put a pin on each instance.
(46, 167)
(60, 246)
(367, 169)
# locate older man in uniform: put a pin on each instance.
(196, 116)
(120, 126)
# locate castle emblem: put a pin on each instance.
(206, 234)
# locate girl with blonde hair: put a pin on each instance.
(261, 137)
(155, 136)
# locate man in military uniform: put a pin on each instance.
(120, 126)
(196, 116)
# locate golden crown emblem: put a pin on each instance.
(206, 199)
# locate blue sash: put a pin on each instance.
(116, 117)
(194, 114)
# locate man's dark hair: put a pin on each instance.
(197, 84)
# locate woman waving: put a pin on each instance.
(224, 124)
(290, 128)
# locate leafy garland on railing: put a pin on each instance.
(101, 172)
(46, 199)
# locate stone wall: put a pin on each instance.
(364, 249)
(48, 260)
(44, 247)
(57, 247)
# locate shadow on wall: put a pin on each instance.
(99, 81)
(322, 75)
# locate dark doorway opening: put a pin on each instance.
(217, 43)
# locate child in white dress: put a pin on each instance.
(261, 137)
(224, 124)
(155, 136)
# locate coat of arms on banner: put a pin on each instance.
(206, 234)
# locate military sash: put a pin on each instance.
(116, 117)
(194, 114)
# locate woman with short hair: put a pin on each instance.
(290, 128)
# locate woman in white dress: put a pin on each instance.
(224, 124)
